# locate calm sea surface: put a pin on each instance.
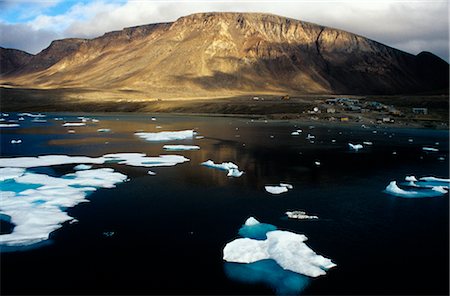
(170, 229)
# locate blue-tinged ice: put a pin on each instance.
(268, 272)
(231, 168)
(420, 192)
(255, 230)
(81, 167)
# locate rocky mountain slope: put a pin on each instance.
(208, 54)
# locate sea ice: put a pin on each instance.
(355, 147)
(255, 230)
(286, 248)
(103, 130)
(132, 159)
(301, 215)
(151, 173)
(32, 115)
(277, 189)
(430, 149)
(233, 169)
(368, 143)
(9, 125)
(180, 147)
(393, 189)
(37, 205)
(74, 124)
(81, 167)
(167, 136)
(16, 141)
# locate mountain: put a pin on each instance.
(13, 59)
(208, 54)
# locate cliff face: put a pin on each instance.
(233, 53)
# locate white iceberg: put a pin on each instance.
(355, 147)
(167, 136)
(9, 125)
(180, 147)
(151, 173)
(430, 149)
(74, 124)
(288, 186)
(435, 191)
(276, 189)
(300, 215)
(16, 141)
(251, 221)
(368, 143)
(286, 248)
(411, 178)
(32, 115)
(233, 169)
(103, 130)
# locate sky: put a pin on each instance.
(412, 26)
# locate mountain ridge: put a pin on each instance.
(210, 53)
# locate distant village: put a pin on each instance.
(346, 109)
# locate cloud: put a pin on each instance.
(24, 37)
(410, 26)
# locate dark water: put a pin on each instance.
(170, 229)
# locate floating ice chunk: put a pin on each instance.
(411, 178)
(39, 120)
(153, 118)
(132, 159)
(430, 149)
(300, 215)
(16, 141)
(317, 163)
(74, 124)
(428, 179)
(47, 160)
(286, 248)
(10, 173)
(393, 189)
(368, 143)
(9, 125)
(5, 114)
(71, 131)
(180, 147)
(104, 130)
(251, 221)
(288, 186)
(38, 211)
(140, 159)
(167, 136)
(158, 126)
(151, 173)
(295, 133)
(95, 120)
(32, 115)
(199, 137)
(441, 189)
(310, 137)
(276, 189)
(233, 169)
(355, 147)
(81, 167)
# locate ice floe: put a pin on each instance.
(180, 147)
(422, 189)
(286, 248)
(300, 215)
(32, 115)
(74, 124)
(9, 125)
(275, 189)
(151, 173)
(103, 130)
(132, 159)
(296, 133)
(355, 147)
(368, 143)
(16, 141)
(231, 168)
(167, 136)
(430, 149)
(37, 203)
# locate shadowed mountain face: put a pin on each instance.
(13, 59)
(231, 53)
